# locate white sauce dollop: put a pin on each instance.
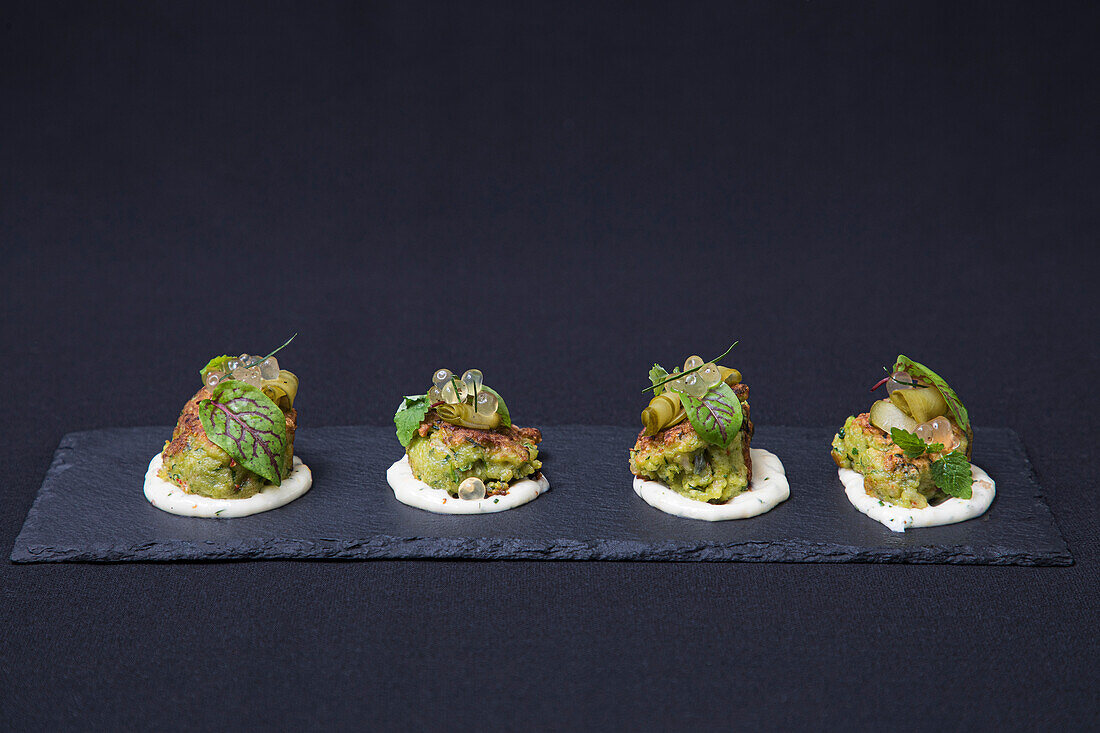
(901, 518)
(769, 487)
(171, 498)
(408, 489)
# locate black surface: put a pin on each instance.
(559, 194)
(90, 507)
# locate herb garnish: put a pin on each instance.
(409, 416)
(950, 472)
(677, 373)
(248, 425)
(261, 360)
(913, 445)
(657, 377)
(716, 416)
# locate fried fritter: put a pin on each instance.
(198, 466)
(888, 474)
(443, 455)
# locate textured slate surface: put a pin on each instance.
(91, 508)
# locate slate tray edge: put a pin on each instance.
(383, 547)
(1041, 499)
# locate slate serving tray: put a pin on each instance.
(91, 508)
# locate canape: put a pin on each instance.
(463, 455)
(693, 457)
(232, 452)
(906, 461)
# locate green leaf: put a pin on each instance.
(913, 445)
(409, 416)
(952, 474)
(716, 416)
(921, 372)
(502, 409)
(657, 375)
(908, 442)
(215, 364)
(245, 423)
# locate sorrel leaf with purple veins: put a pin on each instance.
(920, 371)
(245, 423)
(716, 416)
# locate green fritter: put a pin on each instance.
(888, 474)
(197, 466)
(678, 458)
(443, 455)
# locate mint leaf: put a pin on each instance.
(952, 474)
(409, 416)
(502, 409)
(245, 423)
(215, 364)
(657, 374)
(911, 443)
(921, 372)
(716, 416)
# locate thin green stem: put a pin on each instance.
(273, 353)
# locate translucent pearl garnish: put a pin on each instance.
(248, 376)
(212, 378)
(245, 359)
(441, 377)
(435, 395)
(471, 489)
(693, 361)
(693, 385)
(486, 403)
(473, 380)
(269, 368)
(232, 365)
(710, 374)
(941, 432)
(676, 385)
(453, 391)
(937, 430)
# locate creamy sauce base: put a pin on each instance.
(900, 518)
(769, 487)
(167, 496)
(408, 489)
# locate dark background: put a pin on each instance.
(558, 194)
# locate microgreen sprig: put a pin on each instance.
(273, 353)
(677, 375)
